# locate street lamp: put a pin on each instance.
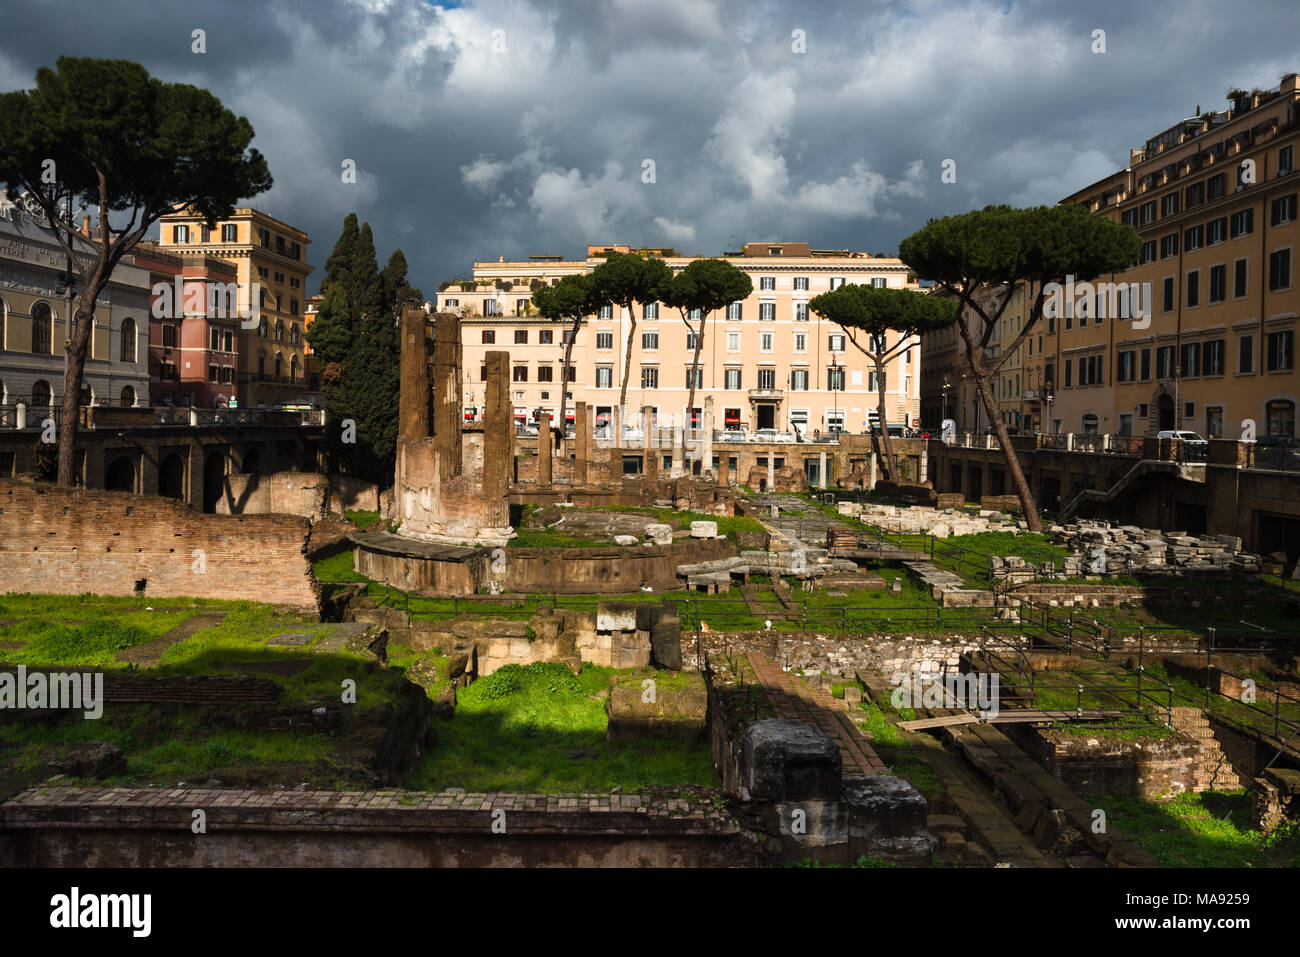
(944, 388)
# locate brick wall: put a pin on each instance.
(70, 541)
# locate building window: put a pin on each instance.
(1148, 252)
(1217, 186)
(1126, 370)
(520, 374)
(878, 282)
(1283, 210)
(837, 281)
(214, 340)
(1217, 230)
(651, 310)
(1167, 294)
(735, 310)
(604, 340)
(696, 314)
(1279, 270)
(1144, 365)
(767, 378)
(1193, 288)
(767, 312)
(798, 380)
(169, 336)
(1165, 362)
(1281, 350)
(731, 379)
(489, 337)
(801, 312)
(1212, 357)
(606, 312)
(765, 342)
(835, 342)
(1245, 355)
(604, 377)
(649, 377)
(800, 342)
(1285, 160)
(544, 373)
(767, 282)
(491, 307)
(733, 341)
(546, 336)
(1148, 212)
(835, 379)
(1242, 223)
(692, 340)
(1193, 238)
(1195, 194)
(650, 341)
(1218, 283)
(1169, 246)
(521, 337)
(521, 307)
(697, 374)
(1239, 278)
(1191, 360)
(180, 234)
(800, 283)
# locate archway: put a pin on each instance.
(1165, 412)
(252, 462)
(214, 480)
(120, 475)
(40, 394)
(128, 397)
(171, 476)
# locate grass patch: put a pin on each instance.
(541, 729)
(1189, 831)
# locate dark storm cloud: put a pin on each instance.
(508, 127)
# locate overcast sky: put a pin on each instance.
(518, 127)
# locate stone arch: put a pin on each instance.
(171, 476)
(128, 340)
(41, 394)
(120, 475)
(214, 479)
(127, 398)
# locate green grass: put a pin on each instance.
(337, 568)
(361, 518)
(540, 728)
(1189, 831)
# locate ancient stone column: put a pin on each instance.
(677, 450)
(615, 446)
(651, 447)
(871, 469)
(413, 401)
(581, 443)
(706, 458)
(771, 471)
(447, 386)
(498, 441)
(821, 468)
(544, 449)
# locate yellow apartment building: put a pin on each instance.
(270, 257)
(1213, 198)
(768, 362)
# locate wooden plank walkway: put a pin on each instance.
(797, 700)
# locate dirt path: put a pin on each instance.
(147, 655)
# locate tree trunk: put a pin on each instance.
(627, 371)
(564, 383)
(894, 475)
(690, 398)
(1018, 480)
(73, 368)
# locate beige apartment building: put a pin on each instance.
(767, 362)
(270, 258)
(1213, 198)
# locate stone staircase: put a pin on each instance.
(1212, 772)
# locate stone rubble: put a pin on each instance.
(939, 522)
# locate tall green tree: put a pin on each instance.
(703, 287)
(355, 338)
(868, 316)
(569, 301)
(625, 279)
(107, 134)
(994, 249)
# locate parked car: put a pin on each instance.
(1277, 442)
(1192, 438)
(766, 435)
